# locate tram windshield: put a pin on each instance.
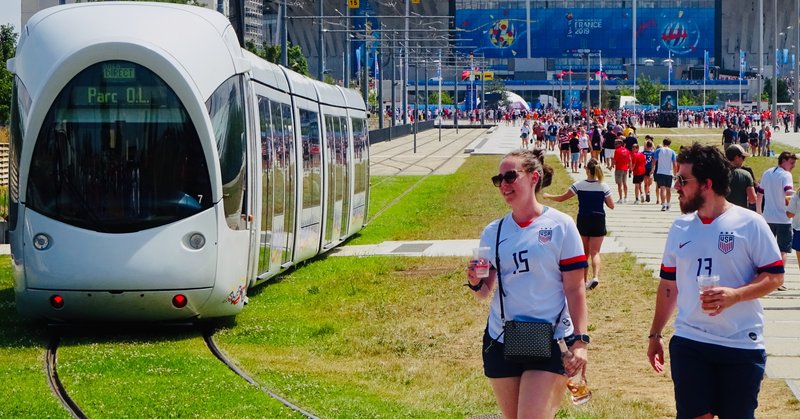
(118, 153)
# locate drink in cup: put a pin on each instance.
(481, 257)
(578, 389)
(705, 283)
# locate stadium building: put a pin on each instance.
(536, 47)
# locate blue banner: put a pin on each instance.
(563, 32)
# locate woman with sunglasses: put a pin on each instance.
(592, 193)
(541, 263)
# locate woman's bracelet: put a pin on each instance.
(655, 335)
(475, 287)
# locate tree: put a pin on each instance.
(783, 91)
(433, 97)
(8, 48)
(647, 91)
(272, 53)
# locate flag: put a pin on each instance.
(377, 66)
(705, 65)
(358, 60)
(741, 64)
(600, 61)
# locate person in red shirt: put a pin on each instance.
(622, 165)
(638, 160)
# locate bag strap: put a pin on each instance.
(497, 265)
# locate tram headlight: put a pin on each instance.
(197, 241)
(41, 241)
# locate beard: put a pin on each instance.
(691, 205)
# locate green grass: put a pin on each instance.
(347, 337)
(25, 392)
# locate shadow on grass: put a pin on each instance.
(16, 331)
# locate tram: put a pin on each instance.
(158, 170)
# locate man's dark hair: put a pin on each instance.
(708, 163)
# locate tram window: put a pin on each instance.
(226, 110)
(20, 105)
(127, 162)
(312, 164)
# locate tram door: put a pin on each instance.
(338, 187)
(309, 229)
(276, 240)
(360, 160)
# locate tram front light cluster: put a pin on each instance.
(41, 241)
(197, 241)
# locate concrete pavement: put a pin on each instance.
(644, 238)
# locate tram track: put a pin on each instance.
(51, 364)
(208, 337)
(408, 190)
(207, 332)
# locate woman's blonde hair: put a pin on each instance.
(594, 170)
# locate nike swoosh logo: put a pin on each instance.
(680, 246)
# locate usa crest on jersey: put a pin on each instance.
(725, 243)
(545, 236)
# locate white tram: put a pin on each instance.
(158, 170)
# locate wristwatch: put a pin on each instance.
(583, 338)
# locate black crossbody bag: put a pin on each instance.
(525, 341)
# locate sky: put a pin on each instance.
(10, 13)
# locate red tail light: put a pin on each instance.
(179, 301)
(57, 301)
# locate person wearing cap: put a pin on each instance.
(742, 186)
(778, 187)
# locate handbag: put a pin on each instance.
(525, 341)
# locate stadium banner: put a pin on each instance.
(564, 32)
(669, 101)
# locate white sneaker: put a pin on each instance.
(625, 201)
(663, 208)
(619, 201)
(592, 284)
(636, 202)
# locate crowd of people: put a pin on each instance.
(732, 227)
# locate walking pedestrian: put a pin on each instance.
(664, 162)
(592, 193)
(622, 165)
(742, 186)
(541, 262)
(717, 352)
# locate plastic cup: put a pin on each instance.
(481, 257)
(579, 390)
(705, 283)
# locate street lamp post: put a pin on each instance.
(775, 65)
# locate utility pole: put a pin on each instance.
(775, 64)
(321, 44)
(760, 55)
(284, 33)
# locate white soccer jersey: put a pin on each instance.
(737, 246)
(532, 259)
(776, 182)
(665, 157)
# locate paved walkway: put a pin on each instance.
(645, 238)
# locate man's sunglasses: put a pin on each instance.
(682, 180)
(510, 177)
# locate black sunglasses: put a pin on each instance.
(510, 177)
(682, 180)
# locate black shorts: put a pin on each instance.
(715, 379)
(565, 147)
(495, 364)
(592, 225)
(783, 234)
(638, 179)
